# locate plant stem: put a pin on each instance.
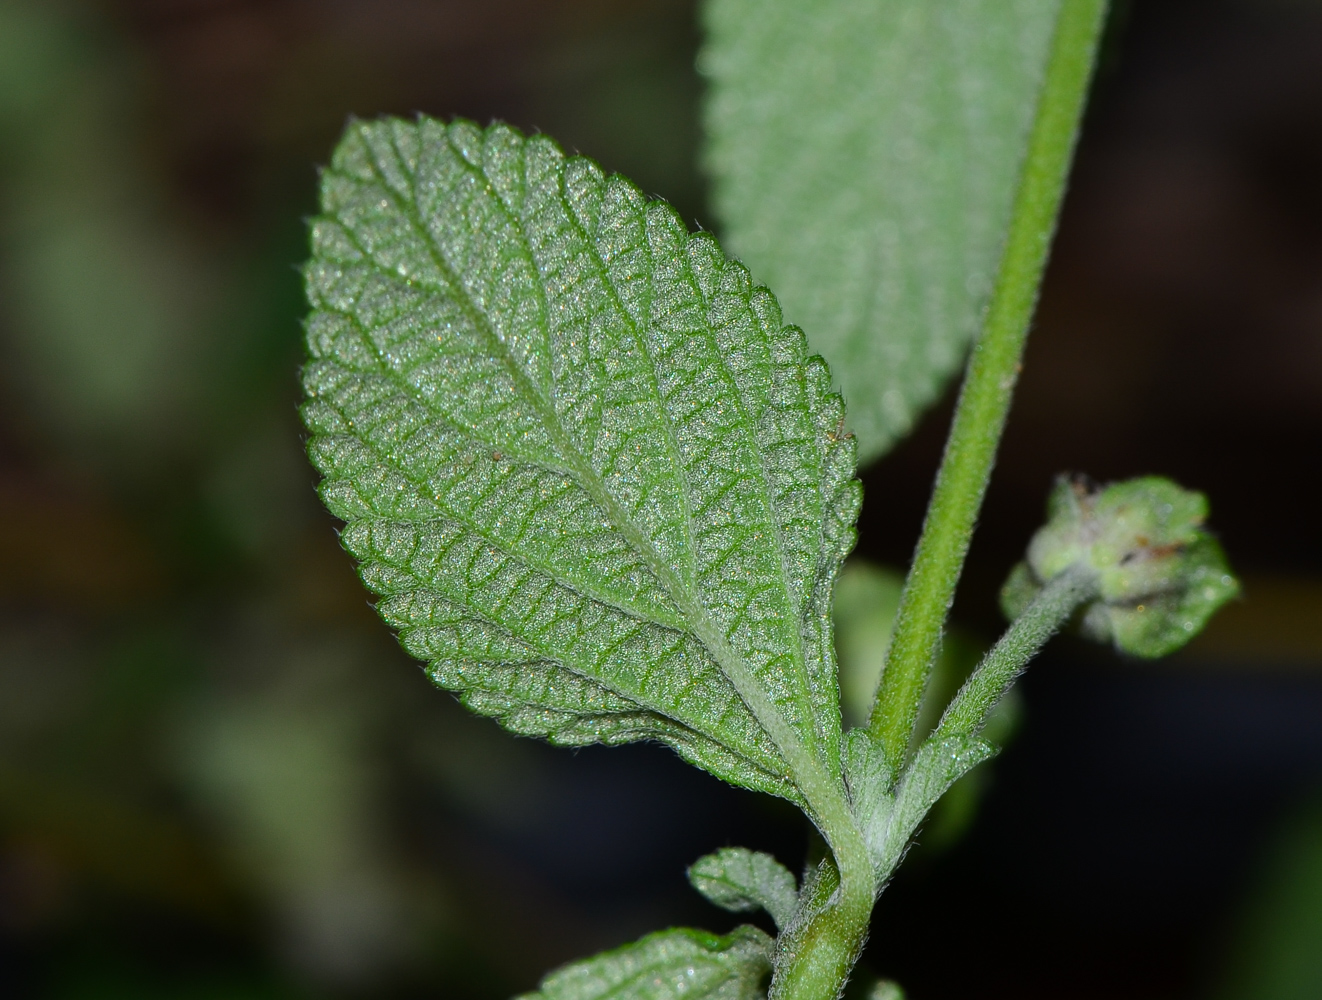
(814, 960)
(1061, 597)
(993, 369)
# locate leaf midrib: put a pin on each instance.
(668, 430)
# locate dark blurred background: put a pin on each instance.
(220, 778)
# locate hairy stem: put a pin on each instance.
(993, 369)
(814, 959)
(1059, 599)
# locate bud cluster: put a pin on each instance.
(1159, 574)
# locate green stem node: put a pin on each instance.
(993, 369)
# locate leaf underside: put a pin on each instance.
(668, 965)
(600, 488)
(864, 155)
(740, 880)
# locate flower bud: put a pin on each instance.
(1159, 574)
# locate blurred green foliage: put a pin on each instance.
(201, 724)
(864, 158)
(1278, 950)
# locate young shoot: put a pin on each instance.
(603, 490)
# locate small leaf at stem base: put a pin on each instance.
(668, 965)
(740, 880)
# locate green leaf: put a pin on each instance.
(937, 765)
(600, 487)
(864, 155)
(668, 965)
(740, 880)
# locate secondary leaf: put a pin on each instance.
(740, 880)
(600, 487)
(864, 155)
(668, 965)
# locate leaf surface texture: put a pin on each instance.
(668, 965)
(599, 486)
(740, 880)
(864, 155)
